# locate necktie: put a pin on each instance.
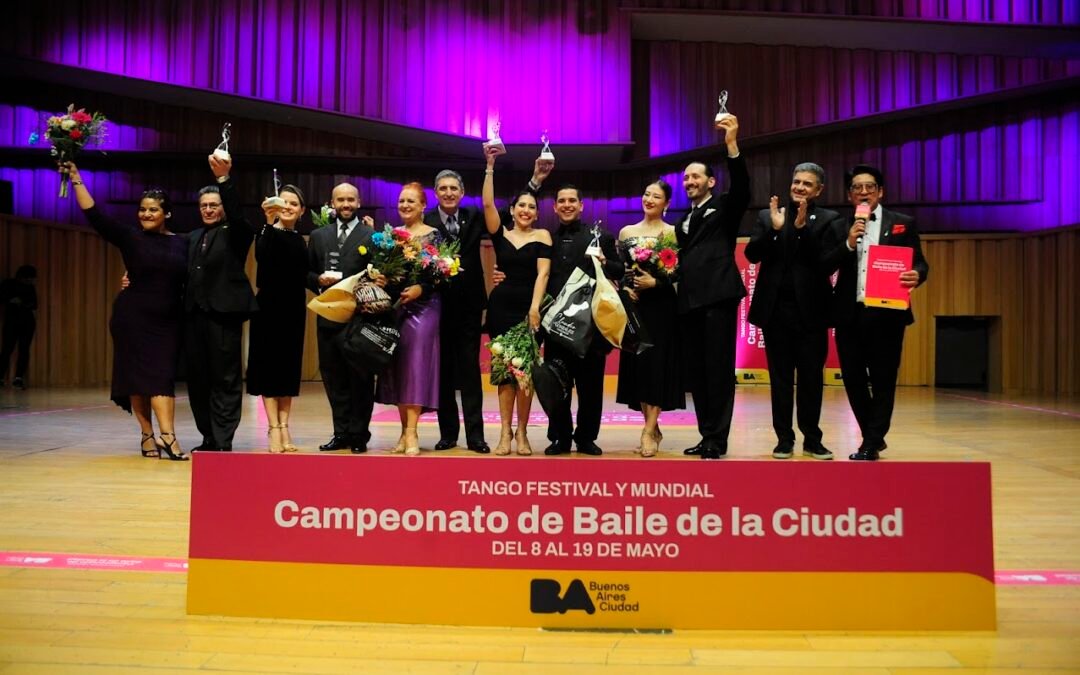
(205, 240)
(343, 235)
(452, 226)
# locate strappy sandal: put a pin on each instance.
(269, 434)
(154, 452)
(167, 448)
(289, 447)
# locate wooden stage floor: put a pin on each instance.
(71, 481)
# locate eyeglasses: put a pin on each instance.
(209, 207)
(859, 188)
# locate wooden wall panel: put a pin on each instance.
(1027, 281)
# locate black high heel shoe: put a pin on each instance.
(152, 452)
(167, 448)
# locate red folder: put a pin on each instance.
(883, 267)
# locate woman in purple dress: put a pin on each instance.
(145, 323)
(411, 382)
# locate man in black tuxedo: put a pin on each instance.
(334, 253)
(587, 373)
(869, 340)
(463, 307)
(791, 306)
(218, 300)
(710, 288)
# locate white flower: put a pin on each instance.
(67, 125)
(517, 362)
(496, 348)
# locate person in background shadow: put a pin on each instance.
(19, 299)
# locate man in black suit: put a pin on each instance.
(791, 303)
(463, 307)
(218, 300)
(710, 288)
(869, 340)
(462, 314)
(587, 373)
(334, 253)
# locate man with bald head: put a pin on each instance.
(334, 253)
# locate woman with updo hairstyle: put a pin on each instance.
(146, 316)
(411, 382)
(651, 381)
(276, 337)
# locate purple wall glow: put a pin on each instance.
(452, 66)
(781, 88)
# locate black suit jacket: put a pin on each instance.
(466, 291)
(707, 270)
(897, 229)
(224, 285)
(795, 252)
(322, 242)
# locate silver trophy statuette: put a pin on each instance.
(723, 114)
(222, 150)
(495, 141)
(594, 246)
(545, 153)
(276, 200)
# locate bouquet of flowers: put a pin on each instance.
(655, 255)
(68, 133)
(513, 355)
(437, 263)
(391, 247)
(324, 216)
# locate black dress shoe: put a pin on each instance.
(783, 450)
(203, 447)
(480, 448)
(696, 450)
(589, 448)
(444, 444)
(864, 455)
(358, 449)
(335, 443)
(557, 448)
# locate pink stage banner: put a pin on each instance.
(593, 515)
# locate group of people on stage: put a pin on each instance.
(195, 285)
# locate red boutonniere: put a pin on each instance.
(898, 228)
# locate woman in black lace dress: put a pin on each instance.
(146, 316)
(276, 338)
(523, 254)
(653, 380)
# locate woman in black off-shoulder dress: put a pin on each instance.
(146, 317)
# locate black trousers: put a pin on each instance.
(587, 376)
(18, 332)
(791, 349)
(351, 395)
(215, 379)
(869, 348)
(709, 341)
(459, 369)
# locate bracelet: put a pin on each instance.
(222, 179)
(76, 182)
(489, 172)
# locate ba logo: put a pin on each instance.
(546, 597)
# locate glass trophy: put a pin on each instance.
(276, 200)
(723, 114)
(594, 246)
(222, 150)
(545, 153)
(495, 141)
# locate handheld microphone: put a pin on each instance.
(862, 212)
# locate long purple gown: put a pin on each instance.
(412, 377)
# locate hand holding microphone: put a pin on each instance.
(862, 215)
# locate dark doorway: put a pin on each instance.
(962, 352)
